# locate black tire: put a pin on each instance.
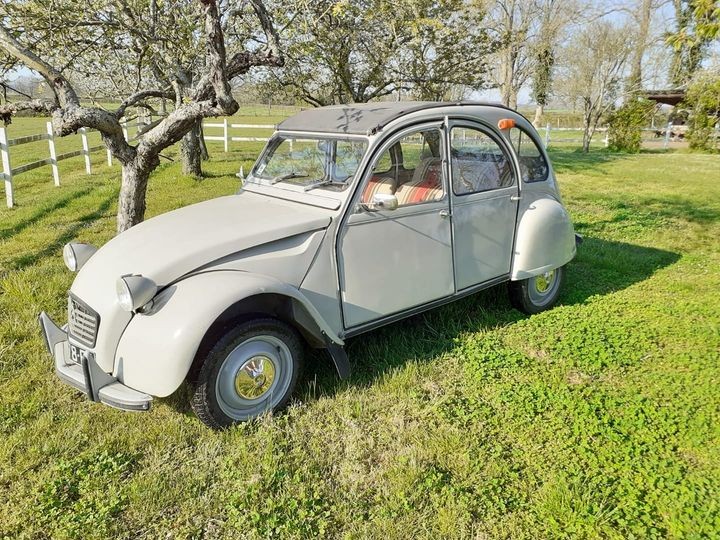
(526, 296)
(259, 356)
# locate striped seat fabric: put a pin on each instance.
(425, 186)
(377, 184)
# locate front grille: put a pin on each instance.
(83, 322)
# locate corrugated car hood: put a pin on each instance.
(169, 246)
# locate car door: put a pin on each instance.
(484, 203)
(392, 260)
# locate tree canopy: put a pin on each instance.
(342, 51)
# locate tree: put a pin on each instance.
(544, 60)
(210, 95)
(527, 33)
(144, 43)
(625, 124)
(697, 25)
(512, 27)
(339, 51)
(703, 101)
(593, 69)
(643, 17)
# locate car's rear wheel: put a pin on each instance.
(252, 369)
(537, 293)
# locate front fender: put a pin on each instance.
(158, 347)
(545, 239)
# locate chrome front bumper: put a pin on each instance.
(87, 376)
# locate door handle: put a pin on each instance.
(515, 198)
(444, 214)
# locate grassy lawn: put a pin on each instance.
(598, 419)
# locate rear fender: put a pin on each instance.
(158, 347)
(545, 239)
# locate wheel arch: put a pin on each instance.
(159, 347)
(544, 240)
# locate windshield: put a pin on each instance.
(326, 163)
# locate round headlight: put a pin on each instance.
(76, 255)
(69, 257)
(133, 292)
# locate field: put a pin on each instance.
(597, 419)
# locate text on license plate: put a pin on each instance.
(77, 354)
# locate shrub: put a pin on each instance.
(625, 125)
(703, 101)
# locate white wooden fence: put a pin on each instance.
(660, 135)
(226, 138)
(10, 171)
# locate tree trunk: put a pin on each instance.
(539, 110)
(587, 136)
(513, 99)
(131, 205)
(204, 154)
(635, 80)
(191, 152)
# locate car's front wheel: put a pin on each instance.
(537, 293)
(251, 369)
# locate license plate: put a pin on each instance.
(77, 354)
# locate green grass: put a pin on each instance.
(597, 419)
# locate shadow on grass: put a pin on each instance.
(41, 212)
(24, 261)
(601, 267)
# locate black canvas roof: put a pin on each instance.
(360, 118)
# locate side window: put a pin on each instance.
(411, 169)
(384, 164)
(533, 166)
(478, 162)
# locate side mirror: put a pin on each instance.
(384, 201)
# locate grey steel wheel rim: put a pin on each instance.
(254, 377)
(542, 288)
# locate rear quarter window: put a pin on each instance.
(533, 165)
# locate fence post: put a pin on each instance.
(667, 134)
(7, 170)
(547, 135)
(53, 154)
(225, 133)
(86, 150)
(125, 130)
(607, 137)
(109, 156)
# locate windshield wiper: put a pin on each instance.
(288, 176)
(320, 183)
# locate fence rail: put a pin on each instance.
(226, 138)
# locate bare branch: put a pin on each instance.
(216, 59)
(140, 97)
(12, 89)
(62, 88)
(41, 106)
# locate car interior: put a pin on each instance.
(413, 178)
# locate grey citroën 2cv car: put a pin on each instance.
(353, 217)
